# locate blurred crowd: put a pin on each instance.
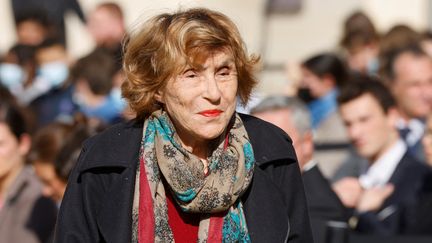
(49, 104)
(360, 122)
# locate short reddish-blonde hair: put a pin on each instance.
(167, 43)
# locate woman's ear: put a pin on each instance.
(158, 96)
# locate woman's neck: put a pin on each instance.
(197, 148)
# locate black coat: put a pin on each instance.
(324, 204)
(420, 213)
(97, 206)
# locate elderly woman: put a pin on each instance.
(188, 168)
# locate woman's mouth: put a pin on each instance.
(210, 113)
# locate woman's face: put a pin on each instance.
(317, 86)
(202, 101)
(12, 151)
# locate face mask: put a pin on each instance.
(104, 112)
(108, 111)
(11, 75)
(372, 66)
(55, 73)
(305, 95)
(116, 99)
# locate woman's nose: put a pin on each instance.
(211, 89)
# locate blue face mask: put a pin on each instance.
(109, 111)
(11, 75)
(116, 99)
(372, 66)
(54, 72)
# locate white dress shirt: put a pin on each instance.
(379, 173)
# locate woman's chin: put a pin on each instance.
(209, 133)
(210, 136)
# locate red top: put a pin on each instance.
(183, 225)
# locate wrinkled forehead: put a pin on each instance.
(198, 57)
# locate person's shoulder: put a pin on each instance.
(260, 128)
(413, 168)
(115, 133)
(269, 142)
(409, 161)
(115, 146)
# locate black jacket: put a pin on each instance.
(324, 204)
(97, 206)
(393, 217)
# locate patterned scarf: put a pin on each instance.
(215, 195)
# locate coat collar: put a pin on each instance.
(118, 146)
(272, 150)
(115, 150)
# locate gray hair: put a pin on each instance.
(300, 114)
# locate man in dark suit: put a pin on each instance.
(393, 176)
(421, 219)
(292, 116)
(408, 71)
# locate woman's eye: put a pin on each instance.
(224, 72)
(190, 74)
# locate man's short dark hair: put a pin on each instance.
(362, 84)
(388, 60)
(328, 64)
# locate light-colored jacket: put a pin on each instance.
(26, 216)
